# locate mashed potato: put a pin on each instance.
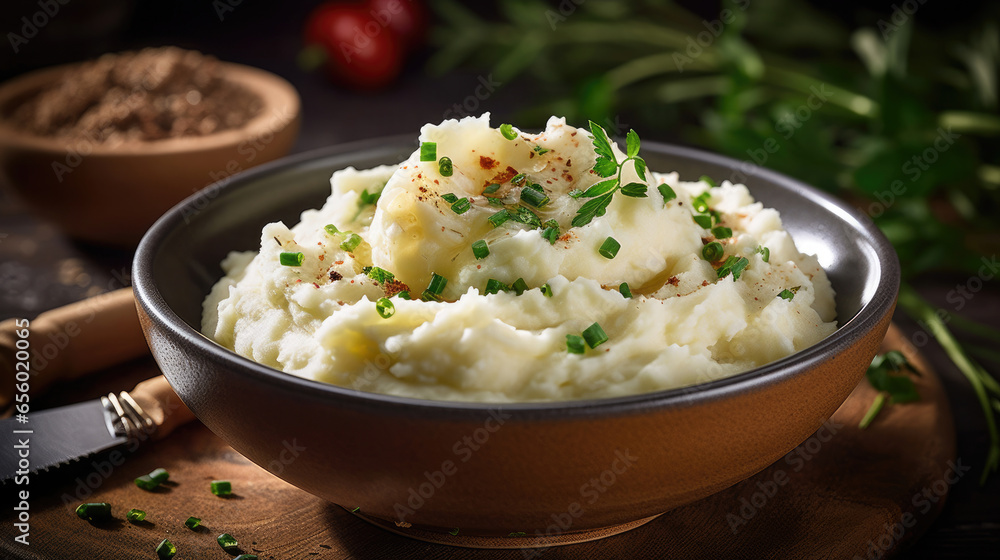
(686, 321)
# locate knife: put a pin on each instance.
(39, 441)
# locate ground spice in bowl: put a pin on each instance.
(149, 95)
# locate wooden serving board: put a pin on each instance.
(844, 492)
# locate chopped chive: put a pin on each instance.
(462, 206)
(445, 167)
(428, 151)
(192, 523)
(575, 193)
(499, 218)
(508, 131)
(734, 265)
(625, 291)
(786, 294)
(494, 201)
(527, 217)
(517, 534)
(450, 198)
(551, 234)
(707, 179)
(378, 274)
(546, 290)
(704, 221)
(574, 344)
(146, 483)
(160, 475)
(700, 202)
(533, 197)
(519, 180)
(535, 186)
(429, 296)
(351, 243)
(404, 295)
(713, 251)
(356, 510)
(480, 249)
(385, 308)
(609, 248)
(540, 150)
(519, 286)
(739, 267)
(291, 259)
(765, 253)
(94, 511)
(221, 487)
(491, 188)
(595, 335)
(331, 229)
(437, 284)
(135, 515)
(227, 542)
(726, 267)
(494, 286)
(453, 532)
(165, 550)
(722, 232)
(667, 192)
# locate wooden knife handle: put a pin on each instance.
(163, 406)
(68, 342)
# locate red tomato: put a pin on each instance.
(406, 18)
(360, 51)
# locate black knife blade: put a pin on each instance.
(54, 437)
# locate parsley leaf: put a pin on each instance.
(602, 146)
(632, 143)
(605, 167)
(597, 189)
(887, 374)
(593, 207)
(640, 167)
(635, 190)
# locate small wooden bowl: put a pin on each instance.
(111, 195)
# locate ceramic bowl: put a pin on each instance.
(560, 468)
(111, 195)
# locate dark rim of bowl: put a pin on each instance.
(149, 298)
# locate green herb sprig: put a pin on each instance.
(608, 167)
(887, 374)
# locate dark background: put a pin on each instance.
(40, 269)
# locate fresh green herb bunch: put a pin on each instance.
(898, 120)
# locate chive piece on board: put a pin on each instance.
(221, 487)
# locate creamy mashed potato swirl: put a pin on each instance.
(683, 324)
